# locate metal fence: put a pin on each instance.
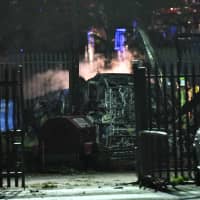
(11, 126)
(166, 100)
(25, 81)
(172, 105)
(41, 71)
(45, 77)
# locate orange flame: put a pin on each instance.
(53, 80)
(122, 63)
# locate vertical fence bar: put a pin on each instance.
(188, 135)
(57, 63)
(41, 62)
(149, 96)
(166, 115)
(195, 116)
(14, 97)
(17, 99)
(8, 153)
(140, 110)
(60, 59)
(50, 67)
(194, 95)
(32, 83)
(1, 142)
(180, 132)
(165, 98)
(74, 69)
(54, 61)
(1, 162)
(6, 97)
(3, 136)
(157, 89)
(41, 67)
(66, 65)
(174, 137)
(140, 99)
(27, 80)
(45, 69)
(21, 134)
(74, 84)
(35, 62)
(23, 74)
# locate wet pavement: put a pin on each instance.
(96, 186)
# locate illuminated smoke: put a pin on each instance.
(53, 80)
(46, 82)
(94, 64)
(90, 46)
(91, 53)
(121, 63)
(89, 69)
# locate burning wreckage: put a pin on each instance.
(106, 121)
(106, 118)
(112, 110)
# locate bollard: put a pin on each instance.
(153, 154)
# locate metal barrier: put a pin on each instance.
(172, 106)
(23, 80)
(166, 100)
(12, 163)
(11, 126)
(153, 154)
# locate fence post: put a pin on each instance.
(140, 99)
(140, 111)
(74, 69)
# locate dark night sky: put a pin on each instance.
(46, 24)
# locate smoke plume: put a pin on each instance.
(53, 80)
(43, 83)
(120, 63)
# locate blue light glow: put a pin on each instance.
(173, 30)
(90, 38)
(134, 24)
(164, 34)
(120, 39)
(3, 126)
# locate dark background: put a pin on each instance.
(50, 25)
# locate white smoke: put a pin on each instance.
(43, 83)
(53, 80)
(88, 69)
(121, 63)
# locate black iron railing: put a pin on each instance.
(173, 107)
(11, 126)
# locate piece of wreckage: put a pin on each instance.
(104, 129)
(111, 108)
(64, 138)
(109, 111)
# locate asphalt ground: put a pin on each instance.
(97, 186)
